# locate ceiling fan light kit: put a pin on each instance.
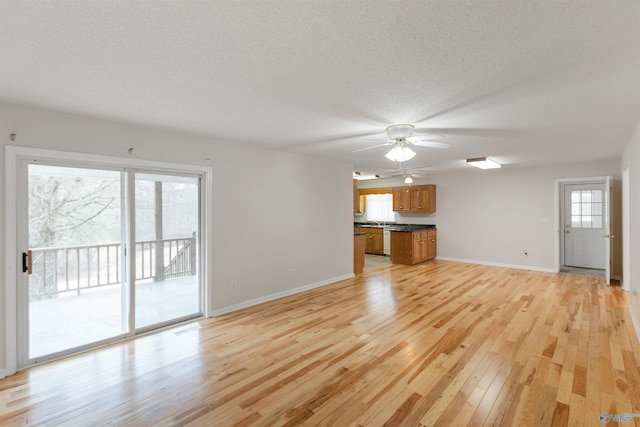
(400, 153)
(484, 163)
(408, 179)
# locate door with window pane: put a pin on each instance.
(75, 294)
(585, 215)
(167, 218)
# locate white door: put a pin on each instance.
(585, 225)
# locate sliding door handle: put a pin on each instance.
(27, 262)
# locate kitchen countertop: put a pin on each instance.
(408, 228)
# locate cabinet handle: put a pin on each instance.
(419, 206)
(433, 240)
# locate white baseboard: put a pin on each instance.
(625, 285)
(278, 295)
(498, 264)
(3, 373)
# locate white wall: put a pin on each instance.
(631, 161)
(280, 221)
(492, 216)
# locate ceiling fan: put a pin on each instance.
(400, 139)
(407, 174)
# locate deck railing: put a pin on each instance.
(77, 269)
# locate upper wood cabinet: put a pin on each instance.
(419, 198)
(401, 198)
(423, 198)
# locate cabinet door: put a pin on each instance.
(368, 243)
(401, 199)
(374, 243)
(432, 244)
(423, 198)
(417, 256)
(377, 244)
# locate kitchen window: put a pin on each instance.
(380, 208)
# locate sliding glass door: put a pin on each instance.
(167, 217)
(75, 289)
(111, 253)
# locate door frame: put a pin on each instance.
(13, 157)
(558, 207)
(626, 231)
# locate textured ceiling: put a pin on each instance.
(525, 82)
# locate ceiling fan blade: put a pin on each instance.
(432, 144)
(373, 146)
(426, 135)
(473, 132)
(379, 139)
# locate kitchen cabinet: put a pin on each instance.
(374, 243)
(358, 252)
(432, 243)
(417, 198)
(357, 208)
(423, 198)
(359, 200)
(413, 247)
(401, 199)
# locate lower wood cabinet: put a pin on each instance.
(374, 241)
(413, 247)
(358, 253)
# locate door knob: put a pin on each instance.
(608, 236)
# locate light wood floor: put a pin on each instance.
(440, 343)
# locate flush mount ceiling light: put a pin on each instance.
(363, 177)
(400, 153)
(484, 163)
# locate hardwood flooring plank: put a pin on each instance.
(560, 415)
